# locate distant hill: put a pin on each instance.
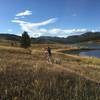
(44, 39)
(88, 36)
(11, 37)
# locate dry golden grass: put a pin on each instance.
(28, 76)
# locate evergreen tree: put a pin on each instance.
(25, 40)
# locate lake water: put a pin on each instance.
(93, 53)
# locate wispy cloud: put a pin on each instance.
(10, 30)
(27, 26)
(66, 32)
(25, 13)
(16, 18)
(33, 28)
(36, 30)
(60, 32)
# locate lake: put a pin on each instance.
(93, 53)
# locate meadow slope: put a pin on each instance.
(25, 74)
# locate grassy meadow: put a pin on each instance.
(25, 74)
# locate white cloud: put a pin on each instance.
(57, 32)
(27, 26)
(10, 30)
(35, 29)
(95, 30)
(16, 18)
(25, 13)
(19, 21)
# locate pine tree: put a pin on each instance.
(25, 40)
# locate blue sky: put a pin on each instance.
(49, 17)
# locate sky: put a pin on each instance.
(60, 18)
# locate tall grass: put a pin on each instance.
(30, 77)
